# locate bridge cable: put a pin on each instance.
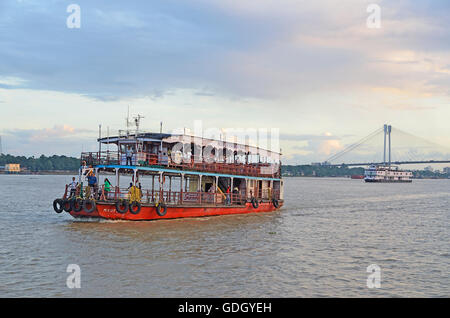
(355, 145)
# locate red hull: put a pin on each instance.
(108, 211)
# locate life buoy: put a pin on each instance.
(161, 209)
(275, 203)
(77, 205)
(255, 203)
(122, 206)
(58, 205)
(88, 203)
(66, 205)
(134, 210)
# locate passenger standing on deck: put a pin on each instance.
(228, 195)
(92, 183)
(73, 187)
(129, 154)
(83, 168)
(107, 188)
(235, 193)
(140, 190)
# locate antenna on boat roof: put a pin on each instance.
(160, 134)
(128, 121)
(137, 121)
(99, 138)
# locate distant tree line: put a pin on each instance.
(42, 163)
(319, 171)
(424, 174)
(344, 171)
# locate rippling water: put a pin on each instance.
(319, 244)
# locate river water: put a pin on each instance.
(319, 245)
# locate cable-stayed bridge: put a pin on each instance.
(390, 146)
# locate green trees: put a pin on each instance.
(42, 163)
(344, 171)
(320, 171)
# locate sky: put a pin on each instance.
(312, 69)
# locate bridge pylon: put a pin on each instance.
(387, 132)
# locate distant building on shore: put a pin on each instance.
(12, 168)
(325, 163)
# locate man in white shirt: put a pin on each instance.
(73, 187)
(129, 154)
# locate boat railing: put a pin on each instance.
(249, 169)
(157, 160)
(268, 194)
(100, 158)
(179, 198)
(167, 196)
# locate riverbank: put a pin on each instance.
(347, 172)
(74, 173)
(49, 172)
(349, 177)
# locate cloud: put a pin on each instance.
(309, 148)
(10, 82)
(306, 137)
(304, 66)
(329, 147)
(59, 139)
(236, 48)
(57, 131)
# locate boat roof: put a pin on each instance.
(188, 139)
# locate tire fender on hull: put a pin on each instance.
(255, 203)
(89, 206)
(58, 205)
(161, 209)
(122, 206)
(275, 203)
(77, 205)
(67, 206)
(135, 207)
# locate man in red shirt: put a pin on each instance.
(228, 201)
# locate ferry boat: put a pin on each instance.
(388, 173)
(173, 176)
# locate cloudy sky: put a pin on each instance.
(313, 69)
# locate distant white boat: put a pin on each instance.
(386, 174)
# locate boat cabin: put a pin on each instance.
(183, 169)
(186, 152)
